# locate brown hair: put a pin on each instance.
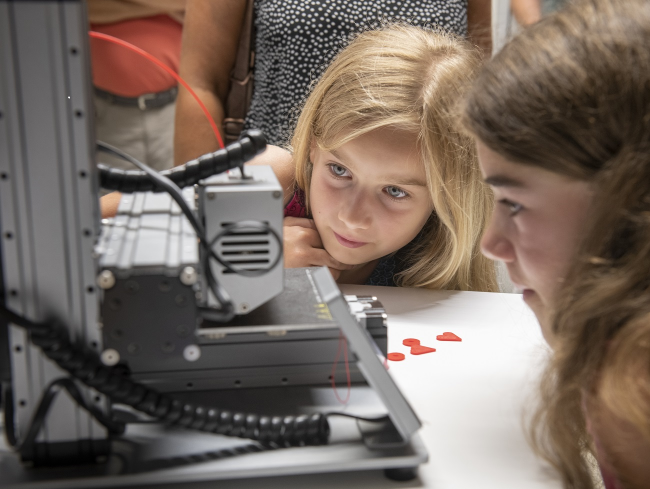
(411, 79)
(571, 95)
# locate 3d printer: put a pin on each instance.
(177, 312)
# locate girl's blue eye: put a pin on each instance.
(396, 192)
(338, 170)
(512, 206)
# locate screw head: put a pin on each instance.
(211, 195)
(243, 307)
(110, 357)
(106, 279)
(277, 194)
(192, 353)
(189, 276)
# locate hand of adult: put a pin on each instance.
(304, 248)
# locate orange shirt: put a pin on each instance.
(122, 72)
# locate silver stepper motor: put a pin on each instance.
(255, 198)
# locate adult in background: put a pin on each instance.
(134, 98)
(295, 41)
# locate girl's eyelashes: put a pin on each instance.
(396, 193)
(338, 170)
(512, 206)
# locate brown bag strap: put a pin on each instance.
(241, 79)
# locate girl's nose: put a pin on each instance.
(356, 212)
(496, 245)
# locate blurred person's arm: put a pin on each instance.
(526, 12)
(479, 24)
(210, 39)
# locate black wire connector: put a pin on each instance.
(250, 144)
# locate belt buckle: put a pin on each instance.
(142, 100)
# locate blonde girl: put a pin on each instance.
(384, 188)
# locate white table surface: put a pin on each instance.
(470, 396)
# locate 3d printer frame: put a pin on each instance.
(54, 264)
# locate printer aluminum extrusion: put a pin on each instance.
(133, 291)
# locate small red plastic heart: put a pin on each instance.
(396, 357)
(410, 342)
(420, 350)
(448, 337)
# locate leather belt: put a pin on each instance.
(143, 102)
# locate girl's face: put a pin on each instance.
(369, 197)
(536, 227)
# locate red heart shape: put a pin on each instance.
(410, 342)
(395, 357)
(448, 337)
(420, 350)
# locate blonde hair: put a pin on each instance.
(571, 95)
(410, 79)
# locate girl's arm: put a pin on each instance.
(282, 163)
(109, 204)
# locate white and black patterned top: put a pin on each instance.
(296, 40)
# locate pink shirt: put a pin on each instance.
(296, 206)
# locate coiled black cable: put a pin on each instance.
(83, 364)
(250, 144)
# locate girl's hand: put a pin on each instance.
(304, 248)
(109, 204)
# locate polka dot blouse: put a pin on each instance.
(296, 40)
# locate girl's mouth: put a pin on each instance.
(348, 243)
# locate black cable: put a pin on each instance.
(83, 364)
(140, 466)
(14, 318)
(39, 416)
(8, 411)
(161, 181)
(379, 419)
(250, 144)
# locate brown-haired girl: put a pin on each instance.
(562, 118)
